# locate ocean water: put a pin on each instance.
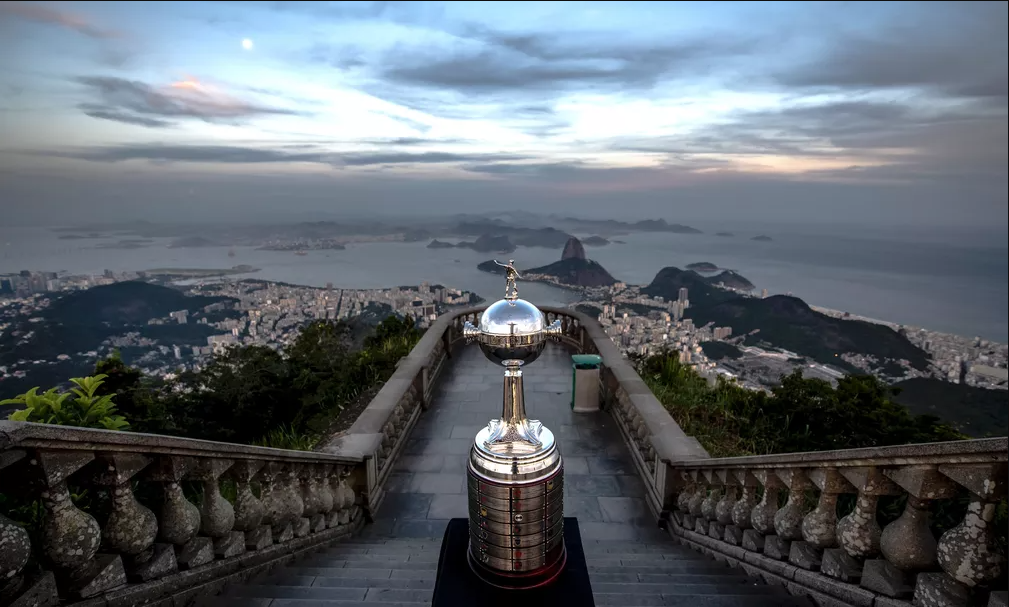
(943, 286)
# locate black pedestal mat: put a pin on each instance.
(457, 585)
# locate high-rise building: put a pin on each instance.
(683, 295)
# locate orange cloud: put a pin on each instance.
(45, 14)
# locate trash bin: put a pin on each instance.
(585, 382)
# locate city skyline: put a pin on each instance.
(885, 112)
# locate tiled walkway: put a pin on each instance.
(428, 485)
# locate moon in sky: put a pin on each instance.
(247, 44)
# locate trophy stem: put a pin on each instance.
(514, 432)
(514, 410)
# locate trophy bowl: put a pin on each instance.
(512, 330)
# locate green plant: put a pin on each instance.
(287, 437)
(81, 406)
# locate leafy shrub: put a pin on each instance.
(81, 406)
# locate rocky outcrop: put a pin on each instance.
(573, 249)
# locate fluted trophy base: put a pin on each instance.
(516, 510)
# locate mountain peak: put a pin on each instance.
(573, 249)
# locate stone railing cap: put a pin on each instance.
(26, 435)
(964, 451)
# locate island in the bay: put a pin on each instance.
(762, 238)
(703, 266)
(573, 269)
(489, 233)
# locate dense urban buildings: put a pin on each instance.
(271, 314)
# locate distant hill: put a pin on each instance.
(724, 234)
(613, 226)
(492, 267)
(668, 282)
(787, 322)
(192, 242)
(80, 321)
(762, 238)
(732, 280)
(595, 241)
(486, 243)
(977, 412)
(550, 238)
(123, 303)
(575, 269)
(577, 272)
(660, 225)
(702, 266)
(573, 249)
(490, 244)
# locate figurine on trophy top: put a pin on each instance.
(515, 471)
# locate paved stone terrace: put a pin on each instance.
(428, 485)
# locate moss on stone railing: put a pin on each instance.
(128, 551)
(753, 511)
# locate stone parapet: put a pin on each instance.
(93, 541)
(793, 536)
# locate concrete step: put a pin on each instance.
(384, 563)
(667, 567)
(314, 593)
(283, 578)
(725, 600)
(688, 589)
(362, 573)
(388, 572)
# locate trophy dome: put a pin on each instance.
(518, 317)
(512, 331)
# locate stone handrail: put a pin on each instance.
(130, 553)
(729, 507)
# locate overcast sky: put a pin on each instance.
(881, 112)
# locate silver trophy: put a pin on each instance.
(515, 474)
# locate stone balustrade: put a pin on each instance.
(733, 508)
(121, 550)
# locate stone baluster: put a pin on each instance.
(723, 509)
(311, 498)
(131, 528)
(858, 533)
(907, 544)
(819, 527)
(217, 515)
(742, 509)
(15, 550)
(967, 552)
(694, 505)
(301, 524)
(275, 498)
(788, 520)
(249, 509)
(179, 519)
(702, 524)
(326, 498)
(687, 489)
(762, 515)
(345, 497)
(71, 537)
(333, 480)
